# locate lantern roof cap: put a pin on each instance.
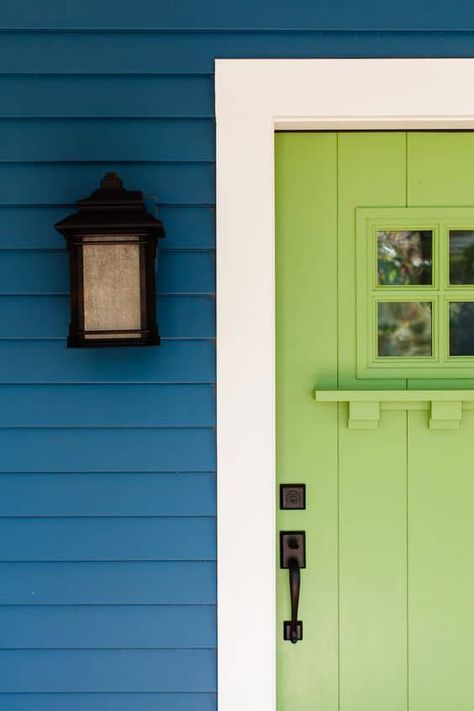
(111, 192)
(111, 207)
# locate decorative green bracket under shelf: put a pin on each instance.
(445, 406)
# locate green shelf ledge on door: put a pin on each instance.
(445, 406)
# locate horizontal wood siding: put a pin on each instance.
(108, 583)
(107, 471)
(110, 701)
(107, 467)
(244, 15)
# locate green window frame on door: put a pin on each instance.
(427, 297)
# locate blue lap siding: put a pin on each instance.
(107, 458)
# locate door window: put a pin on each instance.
(415, 292)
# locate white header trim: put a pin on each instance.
(253, 98)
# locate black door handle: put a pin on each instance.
(295, 584)
(293, 557)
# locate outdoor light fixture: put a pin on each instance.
(112, 243)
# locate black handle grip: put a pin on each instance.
(295, 585)
(293, 558)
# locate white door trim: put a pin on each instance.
(253, 98)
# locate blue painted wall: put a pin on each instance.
(107, 461)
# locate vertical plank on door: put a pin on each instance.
(306, 296)
(372, 582)
(441, 485)
(440, 173)
(371, 173)
(441, 565)
(372, 466)
(439, 169)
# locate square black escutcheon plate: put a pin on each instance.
(292, 496)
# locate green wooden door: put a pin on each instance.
(387, 598)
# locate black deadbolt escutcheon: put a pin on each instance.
(292, 496)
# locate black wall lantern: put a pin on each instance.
(112, 243)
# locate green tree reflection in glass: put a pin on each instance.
(461, 257)
(461, 328)
(404, 328)
(404, 257)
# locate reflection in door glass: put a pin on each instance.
(404, 257)
(461, 256)
(461, 328)
(404, 328)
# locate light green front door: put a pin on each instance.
(375, 293)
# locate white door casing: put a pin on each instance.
(253, 99)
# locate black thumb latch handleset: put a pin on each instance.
(293, 558)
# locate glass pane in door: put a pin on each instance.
(404, 257)
(461, 256)
(404, 328)
(461, 328)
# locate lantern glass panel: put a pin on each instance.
(111, 287)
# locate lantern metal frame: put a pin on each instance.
(114, 216)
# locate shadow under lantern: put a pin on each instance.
(112, 244)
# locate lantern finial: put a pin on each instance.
(111, 181)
